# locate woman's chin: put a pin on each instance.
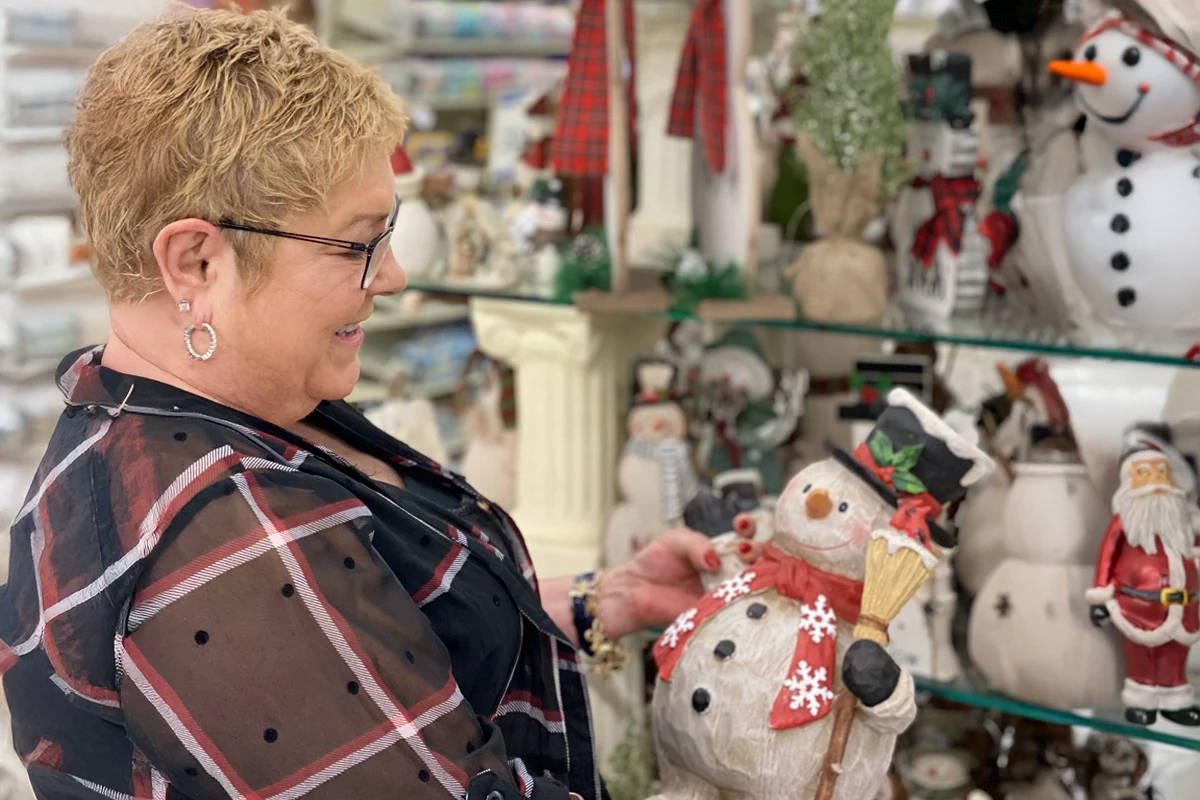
(339, 382)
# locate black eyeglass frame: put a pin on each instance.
(369, 248)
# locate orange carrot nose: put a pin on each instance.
(1081, 71)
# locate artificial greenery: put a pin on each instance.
(717, 283)
(900, 461)
(586, 264)
(852, 107)
(633, 774)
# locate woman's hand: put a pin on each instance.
(661, 582)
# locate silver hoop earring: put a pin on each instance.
(212, 341)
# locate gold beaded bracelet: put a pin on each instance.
(606, 656)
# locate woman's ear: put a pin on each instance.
(185, 250)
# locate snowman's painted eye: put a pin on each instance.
(807, 488)
(844, 507)
(1090, 53)
(1132, 56)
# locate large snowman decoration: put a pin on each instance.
(748, 677)
(1131, 231)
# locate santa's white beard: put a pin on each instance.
(1154, 511)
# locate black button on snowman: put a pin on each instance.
(1132, 249)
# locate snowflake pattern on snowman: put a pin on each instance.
(735, 587)
(1130, 226)
(682, 624)
(809, 688)
(818, 620)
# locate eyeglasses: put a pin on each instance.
(374, 250)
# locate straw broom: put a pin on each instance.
(896, 567)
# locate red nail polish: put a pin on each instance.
(744, 548)
(712, 560)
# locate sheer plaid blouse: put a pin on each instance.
(202, 605)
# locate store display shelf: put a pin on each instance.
(28, 370)
(389, 316)
(60, 280)
(49, 134)
(998, 330)
(1106, 720)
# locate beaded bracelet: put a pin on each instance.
(606, 656)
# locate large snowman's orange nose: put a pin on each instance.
(817, 504)
(1080, 71)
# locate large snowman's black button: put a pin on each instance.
(1126, 297)
(1126, 157)
(724, 649)
(1124, 187)
(701, 700)
(1120, 223)
(1120, 262)
(756, 611)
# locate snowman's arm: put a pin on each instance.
(894, 715)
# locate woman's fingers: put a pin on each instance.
(745, 526)
(694, 548)
(749, 552)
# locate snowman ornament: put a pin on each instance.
(748, 677)
(1131, 232)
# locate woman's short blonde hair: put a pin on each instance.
(217, 115)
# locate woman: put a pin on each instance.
(225, 582)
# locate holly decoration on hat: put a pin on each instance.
(897, 465)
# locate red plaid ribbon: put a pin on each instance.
(951, 199)
(702, 77)
(824, 597)
(581, 135)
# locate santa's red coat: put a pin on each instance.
(1125, 565)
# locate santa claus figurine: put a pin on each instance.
(1146, 579)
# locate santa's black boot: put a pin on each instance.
(1141, 716)
(1184, 716)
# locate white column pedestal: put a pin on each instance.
(572, 386)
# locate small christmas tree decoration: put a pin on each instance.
(852, 134)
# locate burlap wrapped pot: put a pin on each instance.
(840, 278)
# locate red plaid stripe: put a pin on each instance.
(701, 85)
(531, 705)
(581, 135)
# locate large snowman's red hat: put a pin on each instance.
(408, 178)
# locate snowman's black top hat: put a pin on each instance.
(654, 380)
(914, 460)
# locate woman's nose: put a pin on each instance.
(817, 504)
(390, 278)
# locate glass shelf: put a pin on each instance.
(999, 328)
(1106, 720)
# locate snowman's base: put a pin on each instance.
(770, 307)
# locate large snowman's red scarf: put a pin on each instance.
(807, 692)
(1184, 61)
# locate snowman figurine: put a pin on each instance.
(655, 476)
(1131, 232)
(747, 677)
